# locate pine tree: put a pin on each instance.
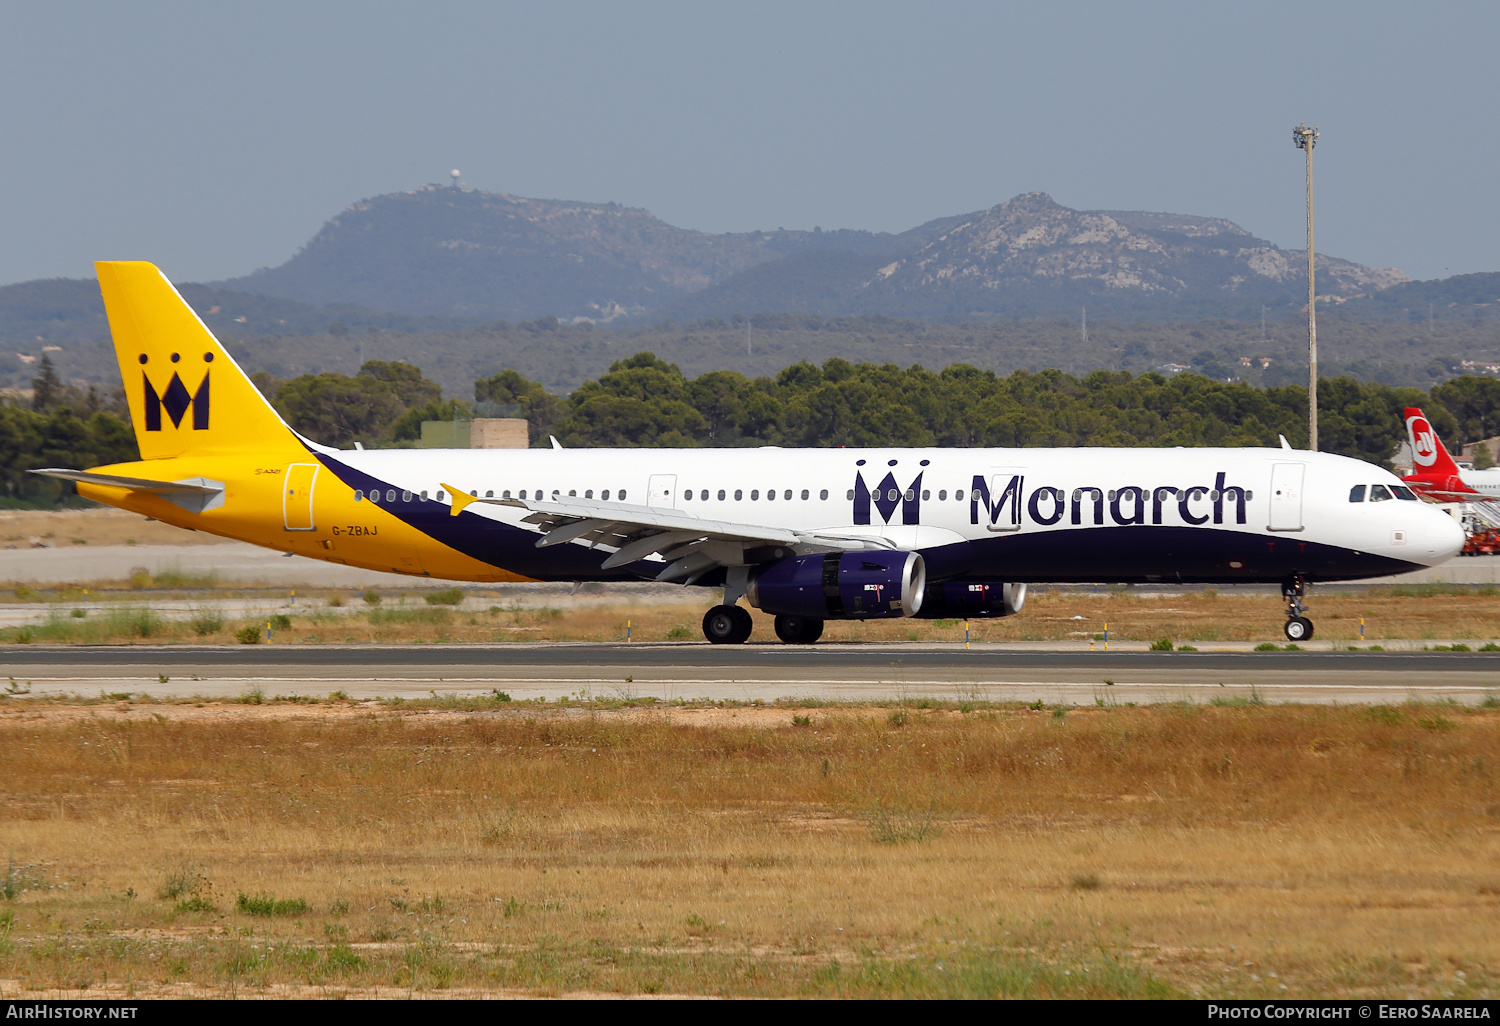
(46, 388)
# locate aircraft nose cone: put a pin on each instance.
(1443, 538)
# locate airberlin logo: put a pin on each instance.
(1423, 441)
(175, 399)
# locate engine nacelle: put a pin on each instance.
(842, 586)
(972, 600)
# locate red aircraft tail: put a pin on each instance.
(1433, 469)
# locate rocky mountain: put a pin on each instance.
(1031, 255)
(462, 252)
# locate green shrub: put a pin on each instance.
(1268, 646)
(371, 597)
(133, 622)
(281, 622)
(1161, 645)
(248, 635)
(342, 959)
(195, 905)
(447, 597)
(206, 621)
(79, 614)
(265, 905)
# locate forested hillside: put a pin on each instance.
(644, 400)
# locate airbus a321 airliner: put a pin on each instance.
(807, 535)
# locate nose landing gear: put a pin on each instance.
(1297, 627)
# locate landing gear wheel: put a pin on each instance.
(746, 624)
(727, 625)
(798, 630)
(1298, 628)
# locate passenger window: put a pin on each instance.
(440, 495)
(1402, 492)
(1378, 493)
(424, 495)
(688, 494)
(359, 494)
(788, 494)
(1357, 493)
(738, 495)
(850, 495)
(804, 493)
(754, 494)
(555, 493)
(721, 495)
(390, 495)
(573, 493)
(488, 495)
(942, 495)
(703, 495)
(960, 494)
(504, 495)
(770, 495)
(926, 494)
(405, 495)
(589, 494)
(910, 495)
(604, 495)
(621, 496)
(823, 494)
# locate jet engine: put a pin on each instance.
(842, 586)
(972, 600)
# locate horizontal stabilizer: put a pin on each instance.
(194, 494)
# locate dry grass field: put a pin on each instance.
(484, 847)
(1416, 614)
(92, 527)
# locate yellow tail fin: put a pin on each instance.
(186, 394)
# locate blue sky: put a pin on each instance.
(215, 138)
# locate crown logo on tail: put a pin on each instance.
(176, 400)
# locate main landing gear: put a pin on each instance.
(731, 625)
(727, 625)
(1298, 627)
(798, 630)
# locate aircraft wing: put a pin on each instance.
(690, 546)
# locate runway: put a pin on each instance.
(757, 672)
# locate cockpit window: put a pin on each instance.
(1357, 493)
(1402, 492)
(1379, 493)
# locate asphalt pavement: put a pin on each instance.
(836, 672)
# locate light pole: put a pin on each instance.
(1305, 139)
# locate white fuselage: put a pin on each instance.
(1047, 514)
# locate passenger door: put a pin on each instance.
(1286, 496)
(297, 496)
